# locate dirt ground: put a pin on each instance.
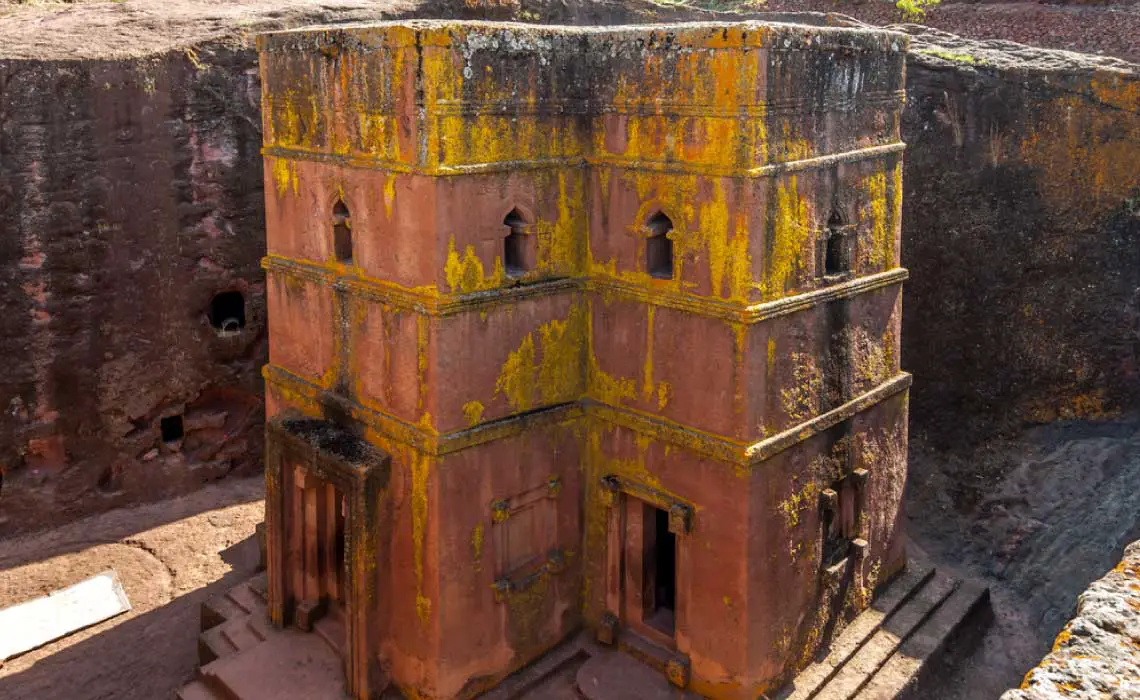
(170, 556)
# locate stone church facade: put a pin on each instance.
(582, 328)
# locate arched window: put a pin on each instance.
(659, 247)
(342, 233)
(516, 250)
(837, 253)
(227, 312)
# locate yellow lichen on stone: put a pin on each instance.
(801, 399)
(550, 373)
(473, 412)
(634, 469)
(420, 471)
(559, 244)
(879, 209)
(793, 506)
(465, 274)
(1083, 174)
(602, 386)
(516, 378)
(423, 328)
(477, 546)
(791, 229)
(285, 176)
(647, 365)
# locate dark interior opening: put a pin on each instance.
(839, 518)
(658, 247)
(342, 233)
(227, 312)
(514, 245)
(660, 562)
(171, 428)
(836, 259)
(341, 544)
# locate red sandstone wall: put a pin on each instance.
(130, 194)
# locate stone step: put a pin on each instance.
(874, 653)
(246, 598)
(644, 650)
(331, 628)
(888, 600)
(240, 633)
(197, 690)
(901, 674)
(259, 584)
(213, 645)
(617, 676)
(217, 610)
(289, 664)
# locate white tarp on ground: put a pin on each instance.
(32, 624)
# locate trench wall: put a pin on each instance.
(1021, 230)
(130, 195)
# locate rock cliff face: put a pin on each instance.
(131, 229)
(1097, 655)
(1021, 229)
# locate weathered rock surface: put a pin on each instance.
(1097, 655)
(1038, 517)
(130, 195)
(1021, 229)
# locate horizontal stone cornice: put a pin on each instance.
(745, 455)
(364, 162)
(429, 302)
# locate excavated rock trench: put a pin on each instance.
(1021, 231)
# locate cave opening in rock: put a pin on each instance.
(227, 312)
(172, 429)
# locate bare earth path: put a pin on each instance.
(171, 556)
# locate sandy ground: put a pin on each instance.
(170, 556)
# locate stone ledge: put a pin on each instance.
(1097, 655)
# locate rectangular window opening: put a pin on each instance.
(660, 575)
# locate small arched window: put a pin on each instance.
(659, 247)
(516, 246)
(342, 233)
(837, 253)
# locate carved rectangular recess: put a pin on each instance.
(524, 536)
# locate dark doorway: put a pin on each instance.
(660, 576)
(227, 312)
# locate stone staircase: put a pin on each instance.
(885, 652)
(888, 652)
(243, 657)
